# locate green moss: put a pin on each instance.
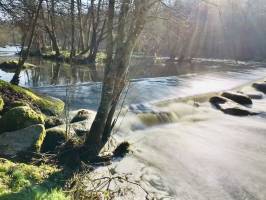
(19, 118)
(100, 58)
(39, 142)
(54, 138)
(29, 182)
(1, 104)
(48, 105)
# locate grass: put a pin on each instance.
(28, 182)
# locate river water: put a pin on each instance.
(194, 153)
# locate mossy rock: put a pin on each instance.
(48, 105)
(54, 138)
(14, 143)
(51, 122)
(13, 64)
(1, 104)
(20, 117)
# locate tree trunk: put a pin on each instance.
(81, 35)
(72, 10)
(115, 72)
(23, 57)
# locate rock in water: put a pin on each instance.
(81, 116)
(238, 98)
(54, 138)
(217, 100)
(24, 140)
(18, 118)
(237, 112)
(260, 87)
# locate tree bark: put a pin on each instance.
(23, 57)
(115, 72)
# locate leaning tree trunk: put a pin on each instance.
(115, 72)
(24, 56)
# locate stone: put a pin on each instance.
(81, 116)
(236, 111)
(260, 87)
(239, 98)
(19, 118)
(255, 95)
(24, 140)
(48, 105)
(217, 100)
(54, 138)
(51, 122)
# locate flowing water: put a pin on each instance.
(181, 151)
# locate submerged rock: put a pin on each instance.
(54, 138)
(236, 111)
(260, 87)
(217, 100)
(238, 98)
(51, 122)
(255, 95)
(18, 118)
(24, 140)
(12, 93)
(81, 116)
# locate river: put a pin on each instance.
(196, 153)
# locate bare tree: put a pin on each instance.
(116, 67)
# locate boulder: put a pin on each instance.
(24, 140)
(51, 122)
(48, 105)
(255, 95)
(54, 138)
(237, 111)
(217, 100)
(81, 116)
(1, 104)
(18, 118)
(238, 98)
(260, 87)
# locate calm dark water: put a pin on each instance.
(149, 80)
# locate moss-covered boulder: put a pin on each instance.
(1, 104)
(24, 140)
(20, 117)
(12, 65)
(12, 93)
(51, 122)
(54, 138)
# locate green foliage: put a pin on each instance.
(100, 58)
(29, 182)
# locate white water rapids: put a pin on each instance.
(196, 153)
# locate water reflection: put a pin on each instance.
(150, 81)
